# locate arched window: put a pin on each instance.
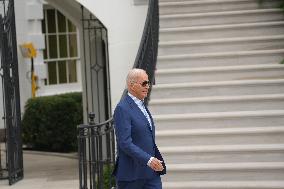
(61, 52)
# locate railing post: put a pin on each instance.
(82, 158)
(100, 159)
(92, 151)
(96, 160)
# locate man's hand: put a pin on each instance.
(156, 165)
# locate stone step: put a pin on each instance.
(198, 60)
(217, 104)
(219, 88)
(184, 6)
(249, 171)
(222, 31)
(242, 119)
(269, 184)
(244, 72)
(220, 136)
(221, 45)
(223, 153)
(225, 17)
(169, 1)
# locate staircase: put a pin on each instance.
(218, 102)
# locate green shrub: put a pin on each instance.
(108, 178)
(49, 123)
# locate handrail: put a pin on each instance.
(97, 125)
(96, 142)
(146, 57)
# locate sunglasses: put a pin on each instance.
(144, 83)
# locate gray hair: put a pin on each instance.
(133, 75)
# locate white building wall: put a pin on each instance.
(28, 16)
(124, 21)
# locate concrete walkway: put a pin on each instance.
(43, 170)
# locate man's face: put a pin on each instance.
(141, 86)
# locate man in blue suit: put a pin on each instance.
(139, 163)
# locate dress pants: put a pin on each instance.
(153, 183)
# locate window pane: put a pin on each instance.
(72, 71)
(63, 46)
(62, 72)
(45, 50)
(52, 75)
(51, 21)
(73, 45)
(52, 46)
(61, 22)
(71, 27)
(61, 43)
(43, 25)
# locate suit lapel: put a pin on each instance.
(139, 113)
(135, 108)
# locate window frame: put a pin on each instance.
(67, 59)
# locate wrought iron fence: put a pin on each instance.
(96, 141)
(13, 165)
(96, 154)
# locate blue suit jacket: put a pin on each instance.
(135, 142)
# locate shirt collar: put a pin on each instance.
(136, 100)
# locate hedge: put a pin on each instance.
(49, 123)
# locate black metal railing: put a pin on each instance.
(96, 154)
(97, 141)
(13, 156)
(146, 58)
